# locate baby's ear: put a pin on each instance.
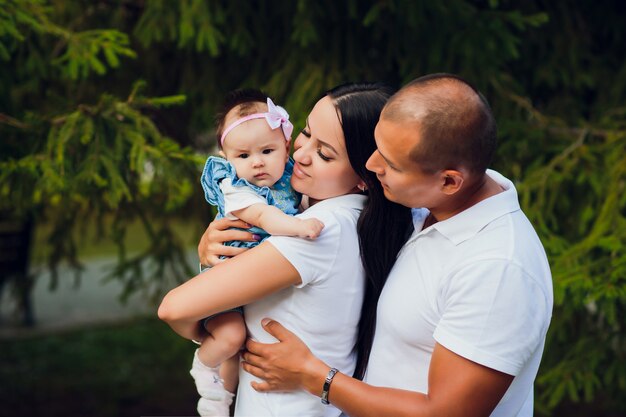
(222, 154)
(287, 145)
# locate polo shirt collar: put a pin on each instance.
(468, 223)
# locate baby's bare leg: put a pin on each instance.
(229, 372)
(227, 333)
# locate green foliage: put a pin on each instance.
(76, 163)
(576, 202)
(126, 369)
(81, 49)
(14, 16)
(191, 24)
(72, 150)
(82, 54)
(99, 159)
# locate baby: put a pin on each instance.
(252, 183)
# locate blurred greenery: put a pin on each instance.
(135, 239)
(106, 114)
(130, 369)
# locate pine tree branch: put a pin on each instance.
(11, 121)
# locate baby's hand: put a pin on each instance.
(311, 228)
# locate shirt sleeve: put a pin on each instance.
(237, 198)
(494, 314)
(312, 258)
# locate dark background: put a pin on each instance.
(106, 115)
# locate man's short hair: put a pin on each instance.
(454, 121)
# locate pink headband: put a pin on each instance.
(276, 116)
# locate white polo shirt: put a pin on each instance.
(323, 310)
(479, 284)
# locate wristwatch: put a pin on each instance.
(327, 382)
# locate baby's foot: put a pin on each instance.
(215, 400)
(212, 408)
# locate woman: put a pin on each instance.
(316, 287)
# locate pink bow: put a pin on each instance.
(277, 116)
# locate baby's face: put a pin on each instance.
(258, 153)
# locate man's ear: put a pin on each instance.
(222, 154)
(452, 181)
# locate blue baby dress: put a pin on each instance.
(280, 195)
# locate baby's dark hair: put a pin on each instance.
(245, 101)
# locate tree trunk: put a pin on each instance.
(15, 243)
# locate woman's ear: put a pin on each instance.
(452, 181)
(362, 186)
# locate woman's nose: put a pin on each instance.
(301, 156)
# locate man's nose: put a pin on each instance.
(373, 164)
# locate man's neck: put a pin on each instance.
(476, 192)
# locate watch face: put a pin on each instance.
(327, 381)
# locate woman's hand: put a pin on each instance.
(211, 245)
(284, 366)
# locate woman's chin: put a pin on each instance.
(299, 185)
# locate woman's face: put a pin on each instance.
(322, 168)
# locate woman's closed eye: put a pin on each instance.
(305, 132)
(321, 154)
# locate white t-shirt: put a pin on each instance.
(323, 310)
(237, 198)
(480, 285)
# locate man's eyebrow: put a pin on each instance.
(391, 164)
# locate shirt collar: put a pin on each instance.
(469, 222)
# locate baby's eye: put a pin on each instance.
(321, 155)
(306, 132)
(267, 151)
(242, 155)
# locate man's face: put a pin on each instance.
(402, 179)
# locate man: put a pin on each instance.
(462, 319)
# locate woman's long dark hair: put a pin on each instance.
(383, 226)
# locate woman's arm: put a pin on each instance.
(457, 387)
(248, 277)
(275, 222)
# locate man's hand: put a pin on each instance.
(457, 386)
(211, 245)
(284, 366)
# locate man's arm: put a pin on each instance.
(457, 386)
